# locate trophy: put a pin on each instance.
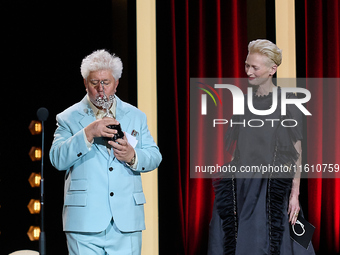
(106, 102)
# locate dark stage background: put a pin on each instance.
(43, 43)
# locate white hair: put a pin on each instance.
(101, 60)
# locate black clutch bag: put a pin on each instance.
(302, 232)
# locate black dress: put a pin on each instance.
(250, 210)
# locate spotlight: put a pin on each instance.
(34, 180)
(35, 127)
(34, 206)
(35, 153)
(34, 233)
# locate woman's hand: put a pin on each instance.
(294, 205)
(293, 208)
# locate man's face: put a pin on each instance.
(94, 87)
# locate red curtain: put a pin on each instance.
(209, 39)
(322, 43)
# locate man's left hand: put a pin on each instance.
(122, 150)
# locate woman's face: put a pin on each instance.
(258, 69)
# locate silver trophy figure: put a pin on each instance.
(105, 102)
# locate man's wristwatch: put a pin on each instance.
(133, 160)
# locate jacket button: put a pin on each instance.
(111, 194)
(111, 168)
(79, 154)
(143, 168)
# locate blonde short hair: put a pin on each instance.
(267, 48)
(101, 60)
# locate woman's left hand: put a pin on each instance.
(293, 208)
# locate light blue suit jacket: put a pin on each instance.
(97, 185)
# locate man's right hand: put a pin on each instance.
(99, 128)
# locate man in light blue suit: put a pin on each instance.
(103, 209)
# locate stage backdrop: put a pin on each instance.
(321, 21)
(194, 39)
(209, 39)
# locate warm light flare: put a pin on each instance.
(35, 127)
(34, 233)
(34, 180)
(35, 153)
(34, 206)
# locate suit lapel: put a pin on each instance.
(123, 117)
(122, 114)
(87, 115)
(87, 118)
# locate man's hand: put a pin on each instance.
(122, 150)
(98, 128)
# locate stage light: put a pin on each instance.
(35, 127)
(34, 233)
(37, 206)
(35, 153)
(34, 180)
(34, 206)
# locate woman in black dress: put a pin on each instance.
(252, 211)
